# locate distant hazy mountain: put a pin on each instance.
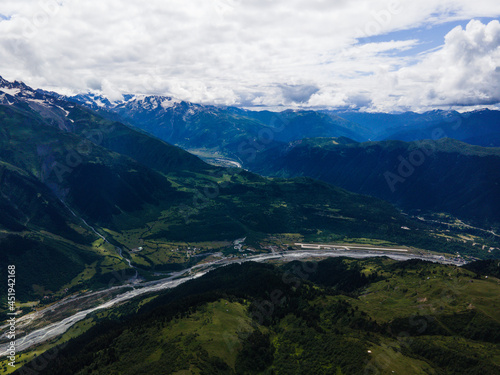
(229, 131)
(298, 124)
(443, 176)
(480, 127)
(221, 129)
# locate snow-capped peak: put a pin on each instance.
(93, 100)
(10, 92)
(138, 101)
(148, 102)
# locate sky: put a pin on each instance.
(372, 55)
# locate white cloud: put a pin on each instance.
(269, 52)
(465, 71)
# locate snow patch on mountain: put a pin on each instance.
(10, 91)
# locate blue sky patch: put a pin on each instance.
(430, 37)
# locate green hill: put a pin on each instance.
(381, 316)
(436, 176)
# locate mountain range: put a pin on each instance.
(480, 127)
(185, 124)
(219, 129)
(82, 190)
(445, 176)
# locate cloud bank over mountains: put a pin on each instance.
(261, 52)
(464, 72)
